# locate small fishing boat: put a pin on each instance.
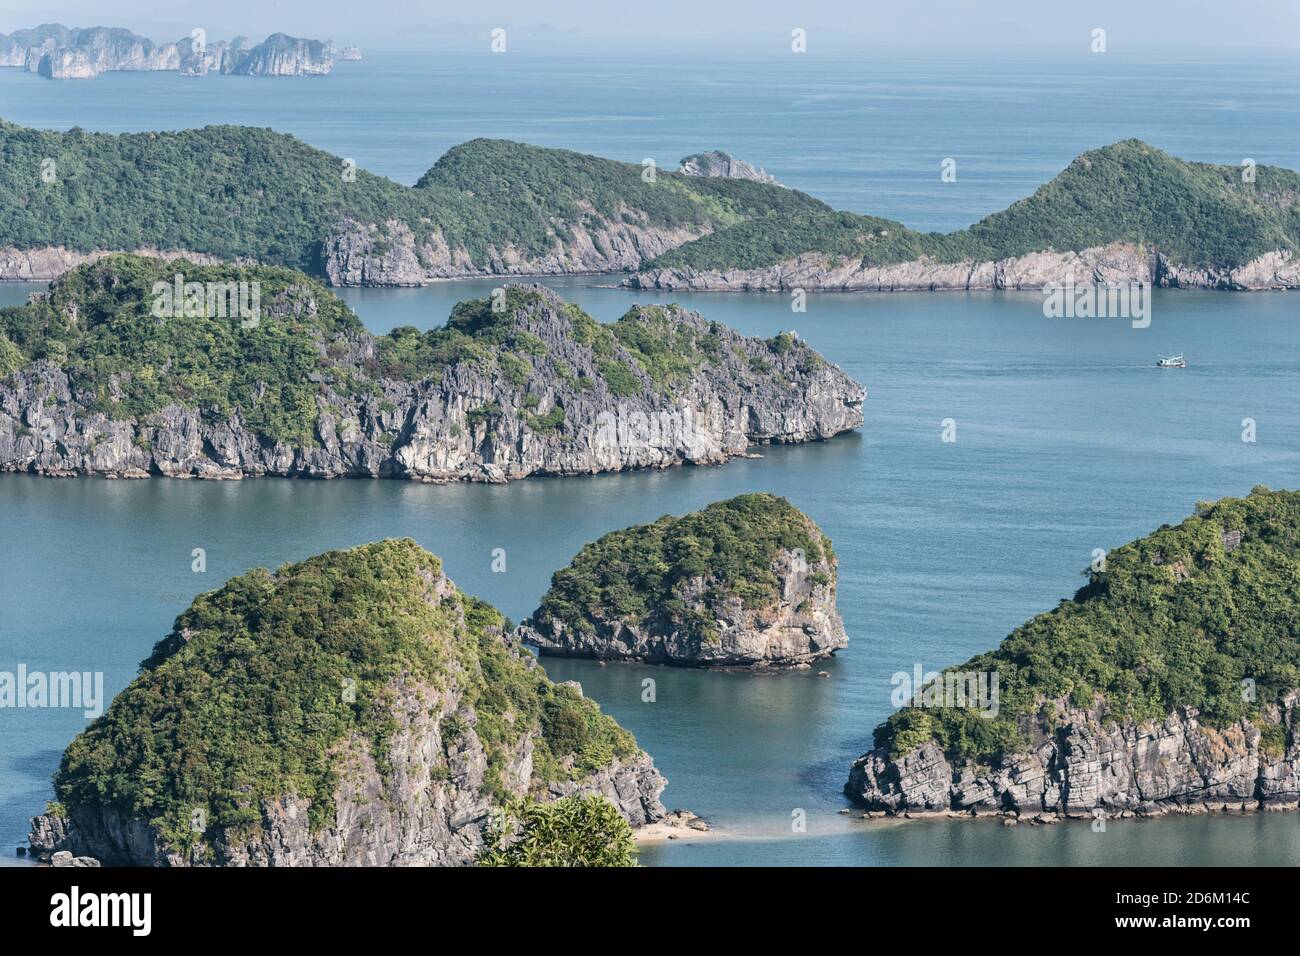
(1171, 361)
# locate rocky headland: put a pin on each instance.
(62, 53)
(1114, 265)
(415, 720)
(94, 382)
(747, 582)
(1168, 685)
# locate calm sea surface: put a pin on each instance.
(1067, 438)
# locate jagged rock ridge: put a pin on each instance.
(1088, 765)
(537, 388)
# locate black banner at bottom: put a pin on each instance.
(336, 905)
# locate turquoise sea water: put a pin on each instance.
(1067, 438)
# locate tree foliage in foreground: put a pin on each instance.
(573, 831)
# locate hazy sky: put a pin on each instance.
(987, 27)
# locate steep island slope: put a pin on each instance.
(744, 582)
(94, 382)
(353, 709)
(1124, 213)
(1169, 683)
(487, 207)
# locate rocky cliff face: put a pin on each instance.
(92, 52)
(555, 414)
(60, 53)
(717, 163)
(434, 809)
(220, 57)
(283, 55)
(1113, 264)
(48, 263)
(1084, 765)
(388, 254)
(426, 801)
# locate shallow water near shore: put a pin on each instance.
(1068, 439)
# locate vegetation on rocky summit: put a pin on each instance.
(262, 683)
(96, 323)
(527, 196)
(635, 574)
(1179, 618)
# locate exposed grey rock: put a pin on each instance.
(716, 163)
(435, 430)
(1086, 764)
(431, 807)
(388, 254)
(64, 858)
(283, 55)
(1118, 263)
(49, 262)
(1273, 270)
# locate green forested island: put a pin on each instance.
(355, 708)
(1170, 681)
(500, 207)
(749, 581)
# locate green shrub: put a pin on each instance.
(573, 831)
